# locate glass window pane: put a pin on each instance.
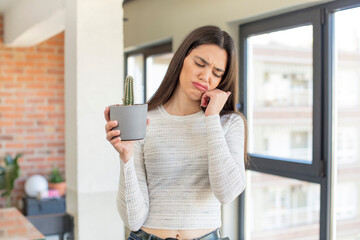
(346, 158)
(135, 68)
(280, 94)
(156, 67)
(280, 208)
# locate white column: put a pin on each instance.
(93, 80)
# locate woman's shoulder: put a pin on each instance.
(154, 112)
(233, 118)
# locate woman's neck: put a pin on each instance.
(181, 106)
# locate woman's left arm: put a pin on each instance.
(226, 157)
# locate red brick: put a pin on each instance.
(13, 115)
(46, 64)
(46, 108)
(8, 56)
(56, 115)
(46, 78)
(31, 57)
(35, 71)
(6, 123)
(14, 145)
(20, 108)
(38, 159)
(6, 108)
(6, 78)
(36, 130)
(55, 144)
(55, 57)
(35, 100)
(53, 159)
(35, 115)
(24, 93)
(24, 64)
(46, 137)
(14, 101)
(47, 123)
(25, 78)
(56, 86)
(44, 49)
(55, 71)
(13, 70)
(30, 138)
(12, 85)
(35, 86)
(24, 123)
(55, 42)
(6, 138)
(45, 93)
(6, 63)
(56, 101)
(16, 130)
(6, 94)
(34, 145)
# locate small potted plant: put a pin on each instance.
(56, 181)
(131, 117)
(8, 174)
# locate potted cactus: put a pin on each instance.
(131, 117)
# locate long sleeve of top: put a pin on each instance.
(182, 171)
(226, 158)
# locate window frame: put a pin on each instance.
(321, 170)
(146, 51)
(288, 167)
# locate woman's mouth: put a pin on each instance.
(200, 87)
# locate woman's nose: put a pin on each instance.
(205, 75)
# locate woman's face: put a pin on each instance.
(202, 70)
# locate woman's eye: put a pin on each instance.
(200, 65)
(216, 75)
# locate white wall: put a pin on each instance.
(93, 80)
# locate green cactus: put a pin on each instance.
(129, 91)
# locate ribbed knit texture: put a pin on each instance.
(182, 171)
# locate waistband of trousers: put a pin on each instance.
(214, 235)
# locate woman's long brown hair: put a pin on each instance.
(200, 36)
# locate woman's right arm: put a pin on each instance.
(132, 196)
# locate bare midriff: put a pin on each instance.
(179, 234)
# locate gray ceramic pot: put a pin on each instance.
(131, 119)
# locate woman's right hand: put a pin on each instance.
(124, 148)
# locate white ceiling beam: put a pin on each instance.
(29, 22)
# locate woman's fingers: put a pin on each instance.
(115, 141)
(147, 122)
(107, 114)
(111, 134)
(110, 125)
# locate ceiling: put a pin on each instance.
(5, 4)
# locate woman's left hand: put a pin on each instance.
(217, 101)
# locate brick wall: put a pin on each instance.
(32, 107)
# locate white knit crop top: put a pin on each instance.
(182, 171)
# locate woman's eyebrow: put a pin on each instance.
(204, 61)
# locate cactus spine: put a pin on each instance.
(129, 91)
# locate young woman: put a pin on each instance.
(173, 182)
